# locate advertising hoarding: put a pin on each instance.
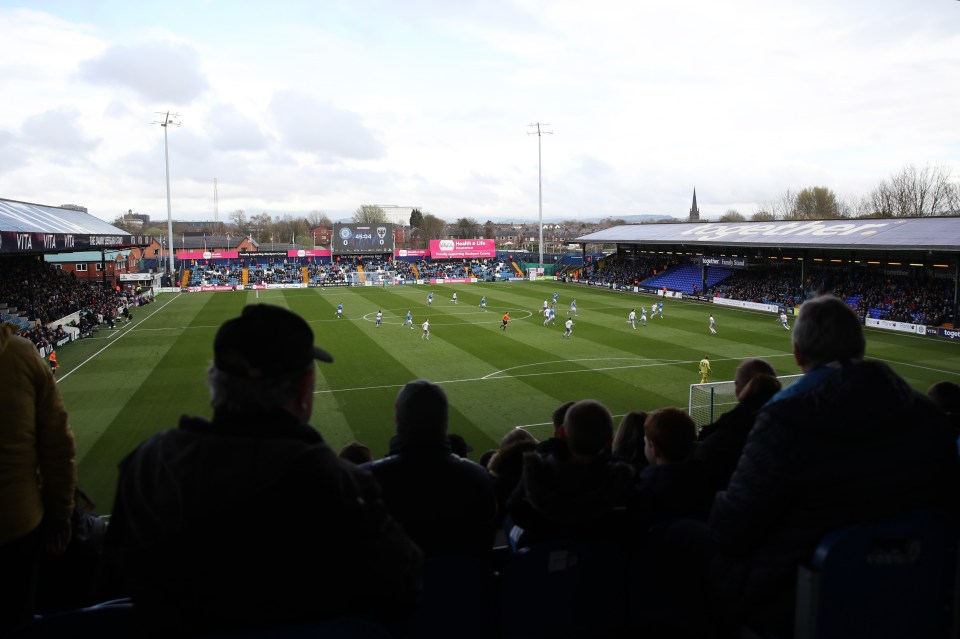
(462, 249)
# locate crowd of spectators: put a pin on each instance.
(213, 275)
(624, 271)
(375, 269)
(43, 294)
(914, 297)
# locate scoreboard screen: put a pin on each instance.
(362, 239)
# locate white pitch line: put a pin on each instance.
(586, 359)
(926, 368)
(487, 378)
(119, 335)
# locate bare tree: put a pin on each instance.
(317, 218)
(609, 222)
(784, 207)
(261, 226)
(732, 215)
(239, 220)
(369, 214)
(855, 206)
(763, 215)
(915, 192)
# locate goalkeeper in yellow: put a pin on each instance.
(704, 369)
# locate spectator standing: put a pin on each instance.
(673, 485)
(850, 441)
(628, 442)
(722, 442)
(256, 521)
(38, 473)
(444, 502)
(582, 495)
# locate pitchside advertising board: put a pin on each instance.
(362, 239)
(462, 249)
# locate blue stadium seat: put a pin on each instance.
(108, 620)
(335, 628)
(564, 589)
(893, 578)
(683, 278)
(457, 600)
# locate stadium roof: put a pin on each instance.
(36, 228)
(928, 233)
(84, 256)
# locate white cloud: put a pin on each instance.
(58, 130)
(307, 124)
(329, 106)
(164, 72)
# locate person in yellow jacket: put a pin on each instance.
(704, 369)
(38, 472)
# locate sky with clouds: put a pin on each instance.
(327, 105)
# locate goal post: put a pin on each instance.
(711, 400)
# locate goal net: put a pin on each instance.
(711, 400)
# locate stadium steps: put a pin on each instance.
(516, 268)
(186, 277)
(416, 272)
(245, 276)
(305, 275)
(361, 275)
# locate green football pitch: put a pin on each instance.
(122, 385)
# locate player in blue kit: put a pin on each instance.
(430, 299)
(409, 321)
(551, 317)
(483, 302)
(573, 308)
(643, 315)
(553, 302)
(339, 311)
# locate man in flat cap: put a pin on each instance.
(250, 519)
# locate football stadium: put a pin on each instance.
(643, 318)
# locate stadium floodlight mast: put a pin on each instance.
(168, 121)
(540, 133)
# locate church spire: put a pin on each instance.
(694, 211)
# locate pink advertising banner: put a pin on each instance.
(455, 249)
(207, 255)
(412, 253)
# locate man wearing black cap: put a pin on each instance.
(251, 520)
(444, 502)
